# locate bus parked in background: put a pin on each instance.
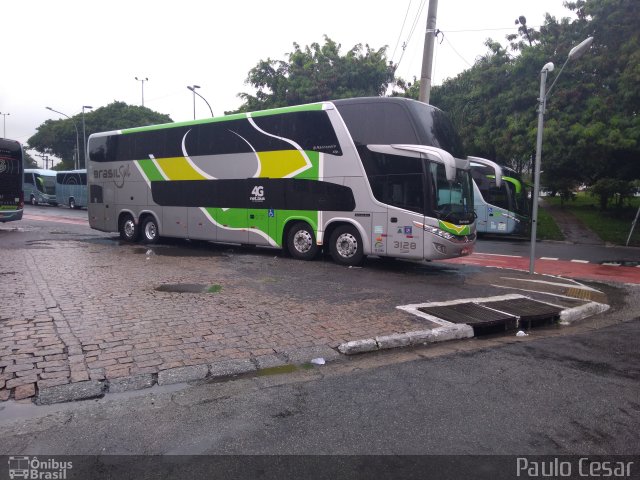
(501, 199)
(71, 188)
(11, 170)
(40, 186)
(344, 176)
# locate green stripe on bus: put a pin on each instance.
(150, 170)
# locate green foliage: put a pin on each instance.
(592, 127)
(59, 137)
(317, 73)
(607, 188)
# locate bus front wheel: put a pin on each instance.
(128, 229)
(301, 242)
(150, 233)
(34, 201)
(346, 246)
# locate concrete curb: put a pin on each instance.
(397, 340)
(572, 315)
(86, 390)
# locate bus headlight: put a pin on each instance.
(439, 232)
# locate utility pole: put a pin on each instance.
(427, 55)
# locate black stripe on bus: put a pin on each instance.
(311, 130)
(271, 193)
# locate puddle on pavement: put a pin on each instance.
(189, 288)
(282, 369)
(176, 252)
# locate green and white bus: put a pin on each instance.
(501, 199)
(71, 188)
(11, 170)
(40, 186)
(357, 177)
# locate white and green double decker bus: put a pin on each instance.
(356, 177)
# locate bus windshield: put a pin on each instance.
(46, 184)
(452, 201)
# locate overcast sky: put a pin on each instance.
(67, 53)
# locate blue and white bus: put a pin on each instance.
(11, 168)
(500, 199)
(40, 186)
(71, 188)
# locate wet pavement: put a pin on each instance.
(82, 317)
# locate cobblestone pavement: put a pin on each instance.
(79, 311)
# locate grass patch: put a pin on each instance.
(214, 289)
(547, 227)
(612, 225)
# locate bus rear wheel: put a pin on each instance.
(301, 242)
(346, 246)
(150, 232)
(128, 229)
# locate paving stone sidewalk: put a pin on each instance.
(86, 317)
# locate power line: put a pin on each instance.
(413, 27)
(401, 30)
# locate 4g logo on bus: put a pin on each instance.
(257, 194)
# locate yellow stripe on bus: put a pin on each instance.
(178, 168)
(280, 164)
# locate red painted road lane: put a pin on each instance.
(563, 268)
(52, 218)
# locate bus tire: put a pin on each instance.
(150, 231)
(301, 242)
(72, 203)
(346, 246)
(128, 229)
(33, 200)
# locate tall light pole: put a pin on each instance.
(84, 135)
(4, 115)
(575, 53)
(193, 89)
(76, 163)
(145, 79)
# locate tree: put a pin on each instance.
(59, 136)
(316, 73)
(592, 126)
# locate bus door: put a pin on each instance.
(101, 208)
(401, 186)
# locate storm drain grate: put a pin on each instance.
(496, 316)
(530, 312)
(483, 320)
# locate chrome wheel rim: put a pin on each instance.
(346, 245)
(150, 230)
(302, 241)
(129, 228)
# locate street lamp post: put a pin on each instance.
(76, 163)
(142, 80)
(576, 52)
(193, 89)
(4, 122)
(194, 99)
(84, 135)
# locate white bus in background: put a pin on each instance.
(39, 186)
(355, 177)
(501, 199)
(71, 188)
